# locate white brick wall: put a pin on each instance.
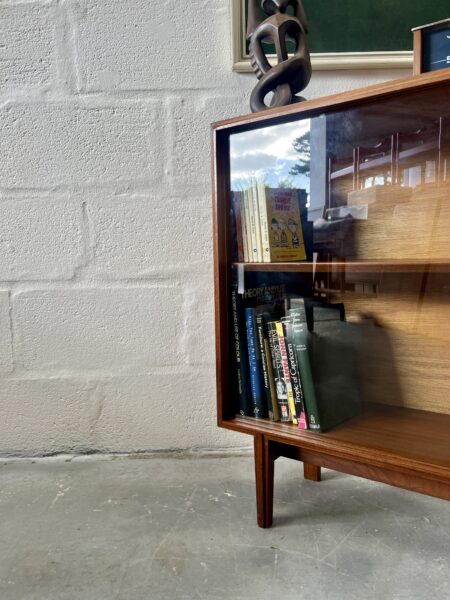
(158, 411)
(75, 143)
(106, 300)
(138, 45)
(27, 47)
(45, 416)
(117, 330)
(40, 239)
(169, 231)
(6, 364)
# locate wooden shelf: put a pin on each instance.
(391, 266)
(381, 436)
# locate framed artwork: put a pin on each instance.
(352, 34)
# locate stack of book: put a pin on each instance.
(281, 366)
(267, 224)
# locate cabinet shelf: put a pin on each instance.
(369, 266)
(381, 435)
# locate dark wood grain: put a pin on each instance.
(221, 234)
(264, 475)
(414, 483)
(311, 472)
(382, 435)
(310, 108)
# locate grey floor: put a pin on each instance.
(184, 528)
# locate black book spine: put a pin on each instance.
(265, 371)
(260, 409)
(239, 343)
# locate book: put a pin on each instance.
(268, 290)
(240, 357)
(328, 364)
(286, 374)
(253, 224)
(278, 372)
(259, 396)
(333, 347)
(263, 221)
(256, 212)
(298, 319)
(294, 372)
(273, 392)
(271, 407)
(283, 217)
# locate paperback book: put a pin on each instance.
(285, 225)
(267, 223)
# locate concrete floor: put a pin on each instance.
(184, 528)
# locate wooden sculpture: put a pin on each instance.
(292, 74)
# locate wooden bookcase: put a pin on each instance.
(398, 270)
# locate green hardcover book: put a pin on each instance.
(328, 366)
(297, 317)
(294, 371)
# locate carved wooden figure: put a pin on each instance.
(292, 74)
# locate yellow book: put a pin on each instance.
(285, 225)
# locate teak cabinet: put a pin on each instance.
(376, 176)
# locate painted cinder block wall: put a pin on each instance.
(106, 313)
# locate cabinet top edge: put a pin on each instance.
(375, 91)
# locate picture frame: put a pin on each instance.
(382, 59)
(432, 47)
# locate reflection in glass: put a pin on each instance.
(270, 174)
(373, 187)
(360, 176)
(278, 156)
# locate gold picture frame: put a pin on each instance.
(320, 62)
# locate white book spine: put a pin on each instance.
(248, 226)
(259, 249)
(251, 213)
(264, 222)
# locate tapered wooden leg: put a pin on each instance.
(264, 473)
(311, 472)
